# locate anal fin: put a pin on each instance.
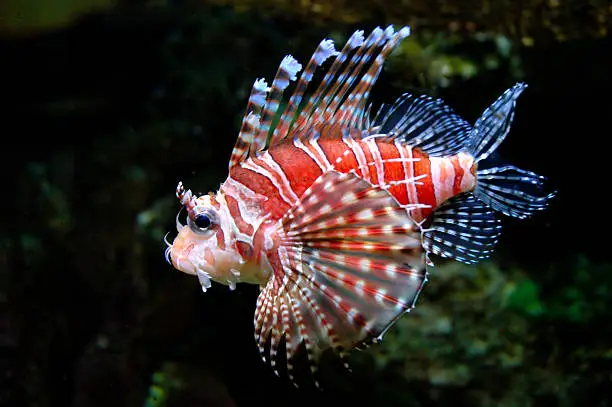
(462, 228)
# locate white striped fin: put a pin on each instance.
(356, 40)
(324, 51)
(512, 191)
(463, 229)
(352, 262)
(340, 98)
(342, 95)
(286, 73)
(354, 111)
(423, 122)
(494, 124)
(333, 99)
(250, 122)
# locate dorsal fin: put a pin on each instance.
(322, 53)
(355, 41)
(423, 122)
(340, 98)
(331, 100)
(353, 109)
(250, 122)
(344, 103)
(286, 73)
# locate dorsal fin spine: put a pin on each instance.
(286, 73)
(350, 73)
(324, 51)
(362, 91)
(250, 121)
(356, 40)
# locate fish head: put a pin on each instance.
(205, 245)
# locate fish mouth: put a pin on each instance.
(177, 256)
(184, 262)
(183, 258)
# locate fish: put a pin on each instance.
(334, 212)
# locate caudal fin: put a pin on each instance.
(512, 191)
(505, 188)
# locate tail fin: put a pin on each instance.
(512, 191)
(505, 188)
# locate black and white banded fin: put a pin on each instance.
(494, 124)
(505, 188)
(463, 229)
(512, 191)
(423, 122)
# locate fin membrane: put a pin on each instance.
(505, 188)
(423, 122)
(494, 125)
(512, 191)
(463, 229)
(350, 262)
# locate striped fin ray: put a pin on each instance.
(250, 122)
(274, 313)
(506, 188)
(286, 73)
(338, 99)
(324, 51)
(423, 122)
(494, 124)
(463, 229)
(512, 191)
(353, 110)
(352, 263)
(355, 40)
(332, 101)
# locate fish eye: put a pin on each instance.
(204, 220)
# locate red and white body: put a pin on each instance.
(259, 191)
(333, 215)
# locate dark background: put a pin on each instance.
(103, 115)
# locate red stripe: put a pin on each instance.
(370, 161)
(458, 175)
(335, 149)
(259, 248)
(275, 205)
(394, 171)
(347, 281)
(245, 249)
(300, 169)
(425, 188)
(234, 210)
